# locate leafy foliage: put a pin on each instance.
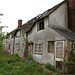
(13, 65)
(1, 36)
(70, 65)
(50, 67)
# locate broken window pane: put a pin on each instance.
(40, 25)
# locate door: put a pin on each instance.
(30, 49)
(59, 50)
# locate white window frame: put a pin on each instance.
(59, 59)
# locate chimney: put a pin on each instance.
(19, 22)
(71, 15)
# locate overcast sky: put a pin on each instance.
(14, 10)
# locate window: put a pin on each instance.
(17, 46)
(38, 48)
(50, 46)
(40, 25)
(9, 46)
(60, 49)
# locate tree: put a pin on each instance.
(1, 42)
(1, 37)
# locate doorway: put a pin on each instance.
(59, 52)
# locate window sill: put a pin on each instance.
(50, 52)
(41, 29)
(38, 53)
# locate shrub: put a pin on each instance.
(50, 73)
(8, 67)
(13, 58)
(36, 73)
(46, 73)
(49, 66)
(56, 74)
(30, 67)
(58, 71)
(30, 58)
(12, 65)
(39, 69)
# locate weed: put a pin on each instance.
(46, 73)
(13, 65)
(39, 69)
(50, 73)
(30, 58)
(49, 66)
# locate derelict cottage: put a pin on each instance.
(48, 37)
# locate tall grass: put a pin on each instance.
(13, 65)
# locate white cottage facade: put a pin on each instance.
(48, 38)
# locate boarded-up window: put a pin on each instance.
(38, 48)
(59, 50)
(17, 46)
(50, 46)
(40, 25)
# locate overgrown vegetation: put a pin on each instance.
(50, 67)
(1, 42)
(72, 62)
(13, 65)
(70, 65)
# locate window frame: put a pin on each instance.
(37, 51)
(17, 46)
(9, 46)
(40, 25)
(49, 44)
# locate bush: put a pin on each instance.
(12, 65)
(30, 58)
(49, 66)
(13, 58)
(39, 69)
(46, 73)
(58, 71)
(50, 73)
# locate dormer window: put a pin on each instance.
(40, 25)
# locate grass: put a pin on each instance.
(13, 65)
(52, 68)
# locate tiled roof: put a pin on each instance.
(28, 25)
(25, 27)
(49, 11)
(66, 33)
(46, 13)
